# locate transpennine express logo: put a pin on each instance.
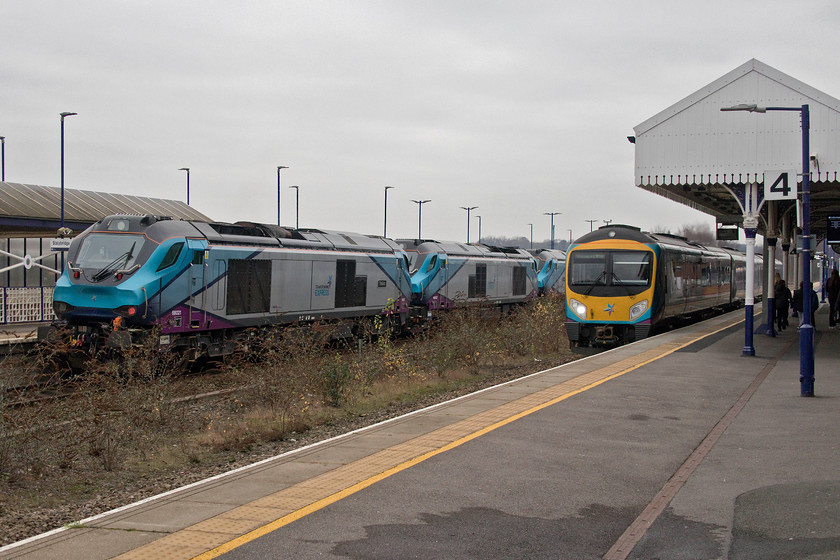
(323, 289)
(609, 309)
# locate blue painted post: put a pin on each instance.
(771, 296)
(806, 331)
(749, 349)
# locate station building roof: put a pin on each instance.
(35, 210)
(691, 151)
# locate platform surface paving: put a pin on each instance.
(673, 447)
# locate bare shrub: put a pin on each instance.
(536, 328)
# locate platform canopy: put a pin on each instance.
(34, 210)
(690, 151)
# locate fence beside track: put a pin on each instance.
(26, 305)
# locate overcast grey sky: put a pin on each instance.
(519, 107)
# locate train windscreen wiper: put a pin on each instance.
(595, 283)
(114, 265)
(616, 281)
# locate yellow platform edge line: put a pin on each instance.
(324, 502)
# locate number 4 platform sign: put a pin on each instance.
(780, 185)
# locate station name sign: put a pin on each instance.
(832, 232)
(60, 243)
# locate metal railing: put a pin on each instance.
(26, 305)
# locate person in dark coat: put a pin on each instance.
(833, 289)
(783, 298)
(796, 302)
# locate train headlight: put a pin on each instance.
(578, 308)
(637, 310)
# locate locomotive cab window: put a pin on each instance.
(171, 256)
(101, 250)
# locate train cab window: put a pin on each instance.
(198, 257)
(631, 268)
(628, 269)
(432, 263)
(107, 250)
(171, 256)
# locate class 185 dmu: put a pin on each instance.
(622, 283)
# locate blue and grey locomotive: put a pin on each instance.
(203, 282)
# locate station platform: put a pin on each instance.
(19, 333)
(674, 447)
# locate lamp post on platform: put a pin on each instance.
(420, 204)
(532, 235)
(468, 208)
(2, 158)
(187, 169)
(590, 224)
(552, 214)
(806, 329)
(279, 167)
(479, 228)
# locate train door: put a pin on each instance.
(196, 286)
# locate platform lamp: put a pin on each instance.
(552, 214)
(590, 224)
(385, 226)
(806, 329)
(479, 228)
(468, 208)
(420, 204)
(279, 167)
(297, 205)
(187, 169)
(2, 158)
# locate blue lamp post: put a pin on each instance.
(552, 214)
(468, 208)
(2, 158)
(297, 205)
(806, 329)
(420, 204)
(187, 169)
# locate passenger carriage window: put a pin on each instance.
(171, 256)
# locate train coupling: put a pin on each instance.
(606, 335)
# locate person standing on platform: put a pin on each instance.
(797, 303)
(833, 289)
(783, 298)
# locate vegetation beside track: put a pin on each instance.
(138, 426)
